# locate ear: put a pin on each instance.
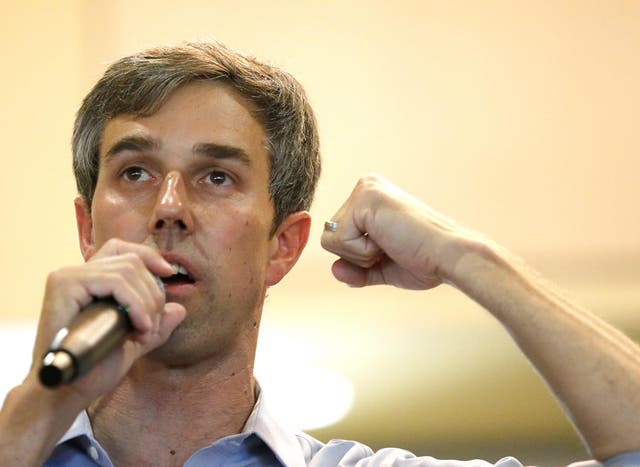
(85, 228)
(288, 243)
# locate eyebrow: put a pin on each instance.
(213, 150)
(132, 143)
(221, 151)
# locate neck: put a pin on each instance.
(173, 412)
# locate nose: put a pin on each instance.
(171, 210)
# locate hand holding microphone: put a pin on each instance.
(101, 327)
(129, 320)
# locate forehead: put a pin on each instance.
(200, 112)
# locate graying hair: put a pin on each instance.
(141, 83)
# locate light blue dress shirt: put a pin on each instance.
(266, 442)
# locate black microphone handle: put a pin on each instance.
(99, 328)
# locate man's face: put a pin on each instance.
(192, 182)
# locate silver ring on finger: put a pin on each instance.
(330, 226)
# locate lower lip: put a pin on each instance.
(176, 290)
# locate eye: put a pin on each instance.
(135, 174)
(218, 178)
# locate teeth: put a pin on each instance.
(178, 269)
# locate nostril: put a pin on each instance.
(162, 223)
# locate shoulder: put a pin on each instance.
(349, 453)
(334, 452)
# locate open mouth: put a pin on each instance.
(180, 276)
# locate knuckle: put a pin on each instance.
(128, 268)
(158, 297)
(133, 261)
(369, 263)
(113, 244)
(329, 244)
(324, 241)
(57, 277)
(370, 180)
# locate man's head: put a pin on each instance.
(211, 158)
(140, 84)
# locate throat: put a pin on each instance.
(132, 416)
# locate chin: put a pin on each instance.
(186, 348)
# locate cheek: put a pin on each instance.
(246, 241)
(237, 253)
(115, 217)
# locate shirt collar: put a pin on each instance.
(280, 439)
(81, 426)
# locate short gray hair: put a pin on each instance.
(141, 83)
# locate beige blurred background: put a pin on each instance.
(520, 119)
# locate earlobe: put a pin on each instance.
(290, 239)
(85, 228)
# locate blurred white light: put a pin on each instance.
(303, 395)
(306, 398)
(16, 343)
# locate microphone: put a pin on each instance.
(100, 327)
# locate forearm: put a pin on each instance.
(32, 420)
(385, 236)
(593, 369)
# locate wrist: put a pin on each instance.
(460, 256)
(34, 418)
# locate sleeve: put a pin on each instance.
(629, 459)
(353, 454)
(402, 458)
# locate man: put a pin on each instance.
(197, 165)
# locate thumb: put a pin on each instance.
(172, 315)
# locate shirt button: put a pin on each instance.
(93, 452)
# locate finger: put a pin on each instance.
(149, 264)
(150, 289)
(358, 276)
(131, 284)
(131, 294)
(173, 314)
(153, 260)
(350, 243)
(127, 280)
(70, 289)
(349, 273)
